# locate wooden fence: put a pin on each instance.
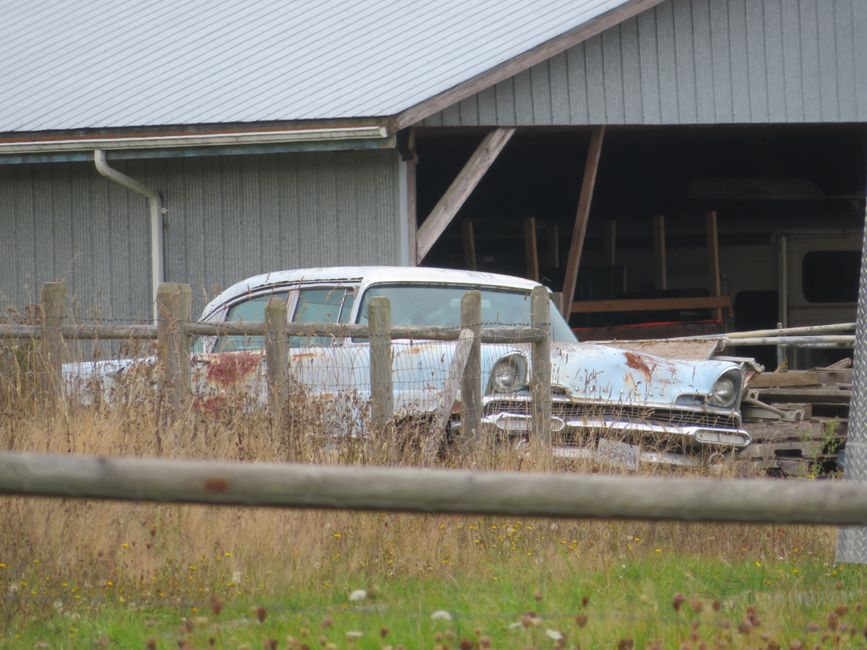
(174, 331)
(429, 491)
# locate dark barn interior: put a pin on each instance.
(764, 183)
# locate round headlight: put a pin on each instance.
(724, 391)
(508, 375)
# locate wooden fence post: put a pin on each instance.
(174, 302)
(277, 358)
(540, 383)
(471, 383)
(381, 390)
(53, 301)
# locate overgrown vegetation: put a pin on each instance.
(84, 574)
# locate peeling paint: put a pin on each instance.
(231, 367)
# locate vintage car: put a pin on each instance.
(608, 403)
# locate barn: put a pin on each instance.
(684, 157)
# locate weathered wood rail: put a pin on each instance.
(174, 330)
(434, 491)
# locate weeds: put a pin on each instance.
(143, 575)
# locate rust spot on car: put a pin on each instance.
(209, 404)
(216, 484)
(638, 362)
(231, 367)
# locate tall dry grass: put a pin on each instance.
(166, 550)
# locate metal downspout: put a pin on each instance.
(155, 204)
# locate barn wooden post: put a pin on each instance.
(712, 243)
(582, 215)
(540, 382)
(381, 391)
(660, 262)
(277, 358)
(471, 383)
(174, 303)
(53, 302)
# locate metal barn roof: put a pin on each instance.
(112, 64)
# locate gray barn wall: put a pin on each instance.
(694, 61)
(228, 218)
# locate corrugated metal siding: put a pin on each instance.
(228, 218)
(118, 63)
(64, 222)
(695, 62)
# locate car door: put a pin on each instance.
(323, 364)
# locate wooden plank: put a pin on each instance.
(582, 214)
(540, 360)
(174, 302)
(447, 397)
(552, 239)
(650, 304)
(611, 243)
(277, 359)
(524, 61)
(399, 489)
(53, 304)
(806, 395)
(463, 185)
(660, 263)
(531, 248)
(712, 243)
(471, 382)
(411, 198)
(784, 379)
(468, 237)
(381, 391)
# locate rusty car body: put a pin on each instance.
(611, 404)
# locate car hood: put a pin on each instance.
(600, 372)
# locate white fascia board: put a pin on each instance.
(204, 140)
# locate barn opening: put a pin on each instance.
(788, 204)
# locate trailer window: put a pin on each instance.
(831, 276)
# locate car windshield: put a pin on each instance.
(440, 306)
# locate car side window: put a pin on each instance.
(321, 305)
(251, 310)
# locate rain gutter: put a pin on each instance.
(198, 140)
(157, 211)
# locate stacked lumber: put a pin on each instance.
(797, 419)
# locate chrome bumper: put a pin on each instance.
(518, 424)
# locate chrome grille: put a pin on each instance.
(621, 412)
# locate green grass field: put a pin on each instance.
(634, 596)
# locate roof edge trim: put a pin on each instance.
(509, 68)
(201, 140)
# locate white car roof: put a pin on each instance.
(367, 275)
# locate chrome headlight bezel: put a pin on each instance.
(726, 390)
(508, 374)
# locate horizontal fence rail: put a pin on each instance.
(434, 491)
(527, 334)
(175, 328)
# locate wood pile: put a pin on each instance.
(797, 419)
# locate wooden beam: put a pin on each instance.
(651, 304)
(660, 270)
(463, 185)
(582, 214)
(468, 236)
(552, 237)
(712, 240)
(531, 248)
(611, 243)
(411, 198)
